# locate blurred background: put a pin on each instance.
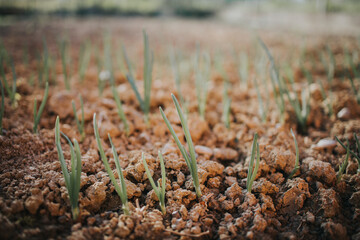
(334, 16)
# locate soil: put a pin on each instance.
(34, 201)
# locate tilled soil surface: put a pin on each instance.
(34, 201)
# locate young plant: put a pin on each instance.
(327, 99)
(356, 91)
(120, 189)
(72, 179)
(2, 105)
(64, 64)
(46, 62)
(102, 75)
(159, 190)
(189, 159)
(252, 171)
(147, 75)
(354, 154)
(243, 68)
(296, 167)
(176, 72)
(350, 62)
(120, 109)
(84, 59)
(37, 113)
(226, 105)
(262, 110)
(276, 83)
(80, 124)
(10, 91)
(343, 166)
(202, 77)
(301, 110)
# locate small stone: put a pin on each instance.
(225, 154)
(205, 151)
(325, 144)
(344, 114)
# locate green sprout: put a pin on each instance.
(301, 110)
(189, 159)
(148, 66)
(63, 54)
(329, 65)
(252, 171)
(99, 63)
(226, 105)
(72, 179)
(128, 63)
(176, 72)
(37, 113)
(120, 189)
(2, 105)
(327, 99)
(10, 91)
(80, 124)
(243, 68)
(120, 109)
(356, 156)
(84, 59)
(296, 167)
(202, 77)
(262, 110)
(356, 91)
(46, 63)
(275, 82)
(343, 166)
(350, 62)
(159, 190)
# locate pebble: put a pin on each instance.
(325, 144)
(344, 114)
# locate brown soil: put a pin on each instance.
(34, 201)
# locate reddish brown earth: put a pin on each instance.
(34, 201)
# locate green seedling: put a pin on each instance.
(244, 68)
(120, 189)
(148, 66)
(301, 110)
(120, 109)
(176, 72)
(202, 78)
(99, 64)
(276, 83)
(343, 165)
(297, 162)
(252, 171)
(158, 189)
(2, 105)
(354, 154)
(356, 91)
(226, 105)
(64, 61)
(189, 159)
(262, 110)
(350, 62)
(37, 113)
(46, 63)
(72, 179)
(11, 91)
(129, 65)
(84, 59)
(327, 100)
(80, 124)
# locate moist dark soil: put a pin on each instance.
(34, 201)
